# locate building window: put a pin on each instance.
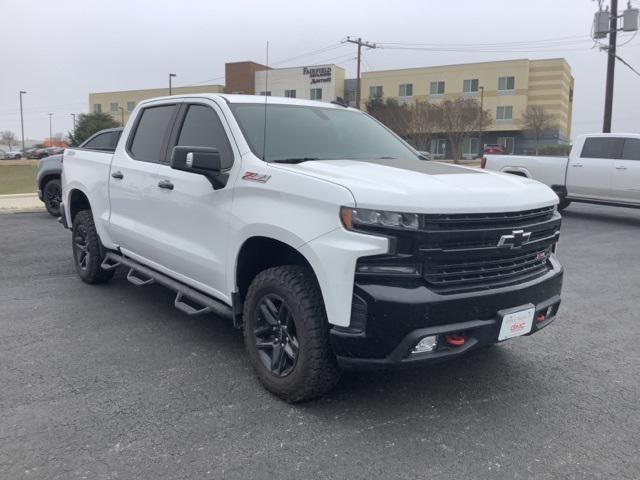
(506, 84)
(436, 88)
(504, 113)
(438, 147)
(375, 91)
(470, 146)
(508, 143)
(265, 94)
(290, 93)
(406, 89)
(316, 94)
(114, 107)
(97, 108)
(470, 86)
(131, 106)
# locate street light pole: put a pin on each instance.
(22, 92)
(171, 75)
(50, 130)
(480, 120)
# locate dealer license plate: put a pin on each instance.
(516, 323)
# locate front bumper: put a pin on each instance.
(399, 315)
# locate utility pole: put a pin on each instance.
(611, 65)
(22, 92)
(171, 75)
(358, 41)
(480, 120)
(121, 116)
(50, 131)
(73, 115)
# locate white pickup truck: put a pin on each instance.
(313, 227)
(601, 168)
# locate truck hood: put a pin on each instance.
(427, 186)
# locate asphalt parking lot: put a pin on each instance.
(112, 382)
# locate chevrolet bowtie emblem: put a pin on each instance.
(515, 240)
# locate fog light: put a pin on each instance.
(426, 344)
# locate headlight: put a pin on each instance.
(352, 218)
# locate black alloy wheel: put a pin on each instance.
(275, 335)
(52, 197)
(81, 247)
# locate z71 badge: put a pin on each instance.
(256, 177)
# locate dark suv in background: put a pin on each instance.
(50, 167)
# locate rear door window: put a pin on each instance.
(105, 141)
(631, 150)
(150, 133)
(202, 128)
(602, 147)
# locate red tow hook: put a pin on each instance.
(454, 340)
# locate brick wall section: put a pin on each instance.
(240, 77)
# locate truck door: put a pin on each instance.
(590, 171)
(626, 174)
(193, 234)
(132, 182)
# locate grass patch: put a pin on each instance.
(17, 178)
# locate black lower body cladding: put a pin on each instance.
(393, 317)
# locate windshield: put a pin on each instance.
(299, 132)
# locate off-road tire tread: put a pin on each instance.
(94, 274)
(322, 372)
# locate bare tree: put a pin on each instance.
(394, 115)
(424, 120)
(8, 137)
(459, 118)
(537, 121)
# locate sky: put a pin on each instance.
(60, 50)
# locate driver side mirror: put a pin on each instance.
(204, 161)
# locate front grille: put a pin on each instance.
(489, 273)
(461, 253)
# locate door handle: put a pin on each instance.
(117, 174)
(165, 184)
(621, 168)
(576, 165)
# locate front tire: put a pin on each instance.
(88, 252)
(52, 197)
(286, 334)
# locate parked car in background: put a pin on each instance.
(602, 168)
(492, 149)
(50, 168)
(39, 153)
(12, 155)
(56, 150)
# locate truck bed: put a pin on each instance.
(548, 170)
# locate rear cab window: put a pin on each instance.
(602, 147)
(106, 141)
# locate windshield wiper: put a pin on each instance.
(294, 160)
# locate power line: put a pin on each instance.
(311, 53)
(625, 63)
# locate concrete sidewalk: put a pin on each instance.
(21, 202)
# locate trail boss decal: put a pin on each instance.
(256, 177)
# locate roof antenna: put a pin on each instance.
(266, 86)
